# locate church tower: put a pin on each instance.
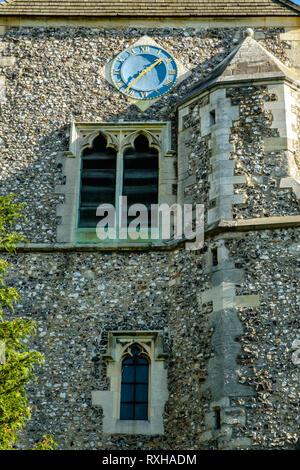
(122, 120)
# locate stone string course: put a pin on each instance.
(76, 298)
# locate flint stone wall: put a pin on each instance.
(270, 260)
(76, 298)
(57, 77)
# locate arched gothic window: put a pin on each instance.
(107, 163)
(138, 391)
(140, 175)
(98, 180)
(107, 174)
(134, 385)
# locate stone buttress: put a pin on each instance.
(242, 121)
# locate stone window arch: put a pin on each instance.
(141, 166)
(121, 346)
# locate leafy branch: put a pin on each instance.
(17, 367)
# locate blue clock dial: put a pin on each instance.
(144, 72)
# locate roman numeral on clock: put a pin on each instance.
(144, 94)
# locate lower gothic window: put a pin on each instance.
(137, 374)
(135, 384)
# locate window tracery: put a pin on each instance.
(110, 160)
(132, 350)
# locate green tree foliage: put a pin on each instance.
(17, 361)
(46, 444)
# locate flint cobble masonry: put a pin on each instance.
(269, 332)
(75, 300)
(77, 297)
(58, 78)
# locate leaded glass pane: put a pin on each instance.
(126, 411)
(141, 412)
(127, 373)
(127, 393)
(142, 374)
(141, 393)
(134, 387)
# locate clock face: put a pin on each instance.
(144, 72)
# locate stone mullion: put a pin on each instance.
(119, 187)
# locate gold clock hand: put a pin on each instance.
(136, 79)
(143, 72)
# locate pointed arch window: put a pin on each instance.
(140, 175)
(107, 174)
(137, 373)
(98, 180)
(135, 385)
(105, 163)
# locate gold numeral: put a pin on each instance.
(144, 94)
(159, 52)
(131, 52)
(130, 92)
(167, 82)
(168, 61)
(172, 72)
(115, 72)
(119, 83)
(145, 48)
